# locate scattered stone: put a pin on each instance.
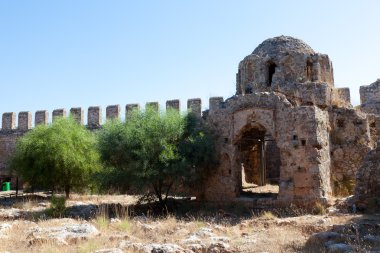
(4, 227)
(339, 248)
(113, 250)
(219, 247)
(193, 239)
(62, 235)
(115, 220)
(205, 232)
(145, 227)
(197, 248)
(220, 239)
(43, 204)
(10, 213)
(131, 246)
(152, 248)
(372, 240)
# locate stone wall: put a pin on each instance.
(370, 98)
(300, 134)
(14, 126)
(367, 191)
(350, 140)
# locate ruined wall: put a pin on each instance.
(367, 191)
(300, 134)
(305, 158)
(13, 128)
(350, 140)
(370, 98)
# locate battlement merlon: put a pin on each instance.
(9, 121)
(129, 108)
(59, 113)
(24, 121)
(113, 112)
(173, 104)
(94, 117)
(77, 114)
(370, 93)
(41, 118)
(94, 113)
(194, 106)
(215, 103)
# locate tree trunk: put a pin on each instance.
(67, 191)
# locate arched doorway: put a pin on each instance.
(258, 162)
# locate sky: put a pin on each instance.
(63, 54)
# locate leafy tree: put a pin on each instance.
(154, 152)
(60, 156)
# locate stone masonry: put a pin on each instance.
(287, 125)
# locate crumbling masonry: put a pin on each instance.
(287, 125)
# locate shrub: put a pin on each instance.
(61, 156)
(155, 152)
(57, 206)
(319, 208)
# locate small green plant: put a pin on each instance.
(124, 225)
(57, 206)
(268, 215)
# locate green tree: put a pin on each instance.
(154, 152)
(62, 156)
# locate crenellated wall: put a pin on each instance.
(14, 126)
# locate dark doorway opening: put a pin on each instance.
(309, 69)
(259, 158)
(271, 70)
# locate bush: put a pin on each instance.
(155, 152)
(319, 209)
(57, 206)
(61, 156)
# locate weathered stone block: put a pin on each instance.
(9, 121)
(215, 103)
(24, 121)
(129, 108)
(370, 93)
(173, 104)
(77, 114)
(94, 117)
(194, 105)
(113, 112)
(59, 113)
(41, 117)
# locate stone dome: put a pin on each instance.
(282, 64)
(281, 45)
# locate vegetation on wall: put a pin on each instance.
(61, 156)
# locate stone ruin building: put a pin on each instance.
(286, 126)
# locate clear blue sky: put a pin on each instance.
(63, 54)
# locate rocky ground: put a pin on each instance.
(114, 224)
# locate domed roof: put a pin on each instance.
(281, 45)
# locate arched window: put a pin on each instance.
(309, 69)
(271, 70)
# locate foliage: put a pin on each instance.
(155, 152)
(319, 209)
(60, 156)
(343, 187)
(57, 206)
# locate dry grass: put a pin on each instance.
(259, 233)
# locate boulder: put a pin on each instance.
(62, 235)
